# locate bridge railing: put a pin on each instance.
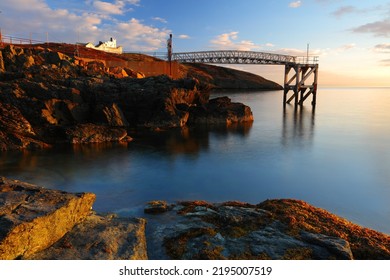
(241, 57)
(306, 60)
(6, 39)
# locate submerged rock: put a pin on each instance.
(33, 218)
(100, 238)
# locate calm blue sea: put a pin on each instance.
(336, 157)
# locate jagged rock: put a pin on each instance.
(27, 61)
(16, 132)
(156, 207)
(11, 119)
(91, 133)
(54, 93)
(233, 230)
(57, 112)
(100, 238)
(117, 72)
(113, 116)
(56, 58)
(299, 216)
(134, 74)
(33, 218)
(2, 68)
(220, 111)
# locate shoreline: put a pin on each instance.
(274, 229)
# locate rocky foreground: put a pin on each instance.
(47, 97)
(37, 223)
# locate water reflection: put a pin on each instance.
(298, 126)
(190, 140)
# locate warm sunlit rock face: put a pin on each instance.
(48, 97)
(100, 238)
(33, 218)
(37, 223)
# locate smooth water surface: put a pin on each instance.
(336, 157)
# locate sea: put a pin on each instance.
(335, 156)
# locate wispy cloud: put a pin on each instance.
(385, 62)
(230, 40)
(183, 36)
(382, 48)
(346, 47)
(378, 28)
(344, 10)
(300, 52)
(295, 4)
(163, 20)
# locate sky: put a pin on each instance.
(351, 38)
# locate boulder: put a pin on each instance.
(220, 110)
(33, 218)
(56, 58)
(117, 72)
(156, 207)
(100, 238)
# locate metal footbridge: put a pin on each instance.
(240, 57)
(298, 70)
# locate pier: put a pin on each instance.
(300, 75)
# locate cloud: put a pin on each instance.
(160, 19)
(183, 36)
(118, 7)
(24, 17)
(295, 4)
(344, 10)
(382, 48)
(109, 8)
(300, 52)
(378, 28)
(138, 36)
(385, 62)
(346, 47)
(228, 41)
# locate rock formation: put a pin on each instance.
(100, 238)
(48, 97)
(274, 229)
(220, 111)
(33, 218)
(37, 223)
